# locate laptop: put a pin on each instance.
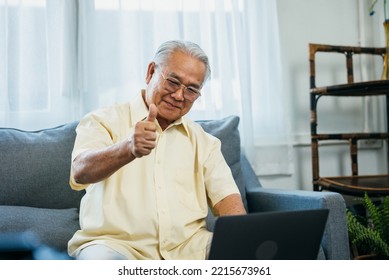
(289, 235)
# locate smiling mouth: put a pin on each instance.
(172, 105)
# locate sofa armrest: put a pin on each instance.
(335, 243)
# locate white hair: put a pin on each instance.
(168, 48)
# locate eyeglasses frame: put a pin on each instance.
(181, 85)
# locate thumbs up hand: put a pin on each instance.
(153, 111)
(143, 141)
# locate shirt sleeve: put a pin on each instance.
(93, 132)
(219, 181)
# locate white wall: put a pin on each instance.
(336, 22)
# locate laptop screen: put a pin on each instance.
(287, 235)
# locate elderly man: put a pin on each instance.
(149, 172)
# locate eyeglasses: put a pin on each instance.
(172, 85)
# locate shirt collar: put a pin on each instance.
(138, 109)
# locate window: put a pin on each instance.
(62, 59)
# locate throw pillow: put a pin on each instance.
(35, 167)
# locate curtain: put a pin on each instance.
(62, 59)
(37, 59)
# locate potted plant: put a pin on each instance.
(370, 233)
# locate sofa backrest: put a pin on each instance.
(35, 168)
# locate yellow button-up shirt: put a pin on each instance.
(155, 206)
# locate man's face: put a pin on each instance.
(180, 67)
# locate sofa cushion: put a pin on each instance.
(54, 227)
(35, 168)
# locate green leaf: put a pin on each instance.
(371, 235)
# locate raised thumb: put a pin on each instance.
(153, 111)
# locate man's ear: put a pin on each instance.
(150, 72)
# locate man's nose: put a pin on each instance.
(179, 93)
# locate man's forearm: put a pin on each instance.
(231, 205)
(96, 165)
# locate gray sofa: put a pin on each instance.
(35, 195)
